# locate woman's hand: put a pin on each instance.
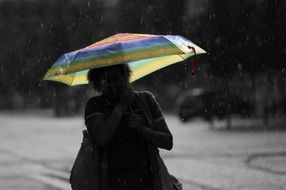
(104, 128)
(123, 104)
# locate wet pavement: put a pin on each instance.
(37, 152)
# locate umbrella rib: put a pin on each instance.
(174, 44)
(122, 51)
(73, 79)
(73, 58)
(181, 57)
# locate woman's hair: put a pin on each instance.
(94, 76)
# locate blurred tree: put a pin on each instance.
(34, 35)
(245, 36)
(273, 37)
(229, 31)
(273, 54)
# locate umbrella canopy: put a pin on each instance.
(144, 53)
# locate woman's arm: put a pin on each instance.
(158, 134)
(105, 129)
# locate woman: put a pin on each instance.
(120, 129)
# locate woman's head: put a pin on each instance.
(110, 79)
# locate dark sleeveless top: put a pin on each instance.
(128, 164)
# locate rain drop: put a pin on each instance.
(239, 66)
(218, 40)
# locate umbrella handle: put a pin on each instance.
(193, 64)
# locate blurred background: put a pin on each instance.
(229, 114)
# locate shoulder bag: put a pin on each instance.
(84, 173)
(169, 182)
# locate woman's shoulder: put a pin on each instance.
(93, 105)
(94, 100)
(146, 94)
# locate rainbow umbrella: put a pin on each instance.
(144, 53)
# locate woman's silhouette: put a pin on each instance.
(119, 127)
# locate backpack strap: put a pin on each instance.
(143, 104)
